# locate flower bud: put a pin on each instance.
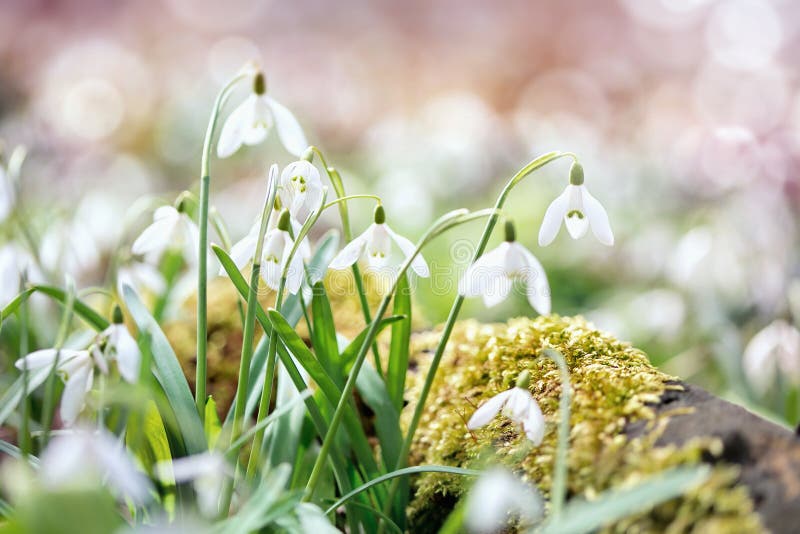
(576, 174)
(283, 221)
(380, 215)
(511, 232)
(259, 84)
(308, 155)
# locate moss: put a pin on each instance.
(613, 384)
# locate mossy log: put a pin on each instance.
(628, 421)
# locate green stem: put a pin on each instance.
(202, 259)
(558, 492)
(240, 402)
(24, 430)
(456, 309)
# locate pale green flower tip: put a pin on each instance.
(259, 84)
(380, 215)
(511, 232)
(116, 315)
(576, 174)
(284, 220)
(524, 380)
(277, 205)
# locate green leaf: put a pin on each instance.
(91, 511)
(406, 471)
(80, 308)
(581, 516)
(14, 305)
(398, 350)
(13, 395)
(146, 436)
(170, 376)
(211, 423)
(13, 451)
(350, 352)
(324, 334)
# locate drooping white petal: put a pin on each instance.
(233, 130)
(127, 354)
(46, 357)
(257, 129)
(552, 218)
(495, 497)
(305, 245)
(486, 412)
(533, 424)
(243, 251)
(480, 275)
(598, 218)
(118, 469)
(419, 264)
(379, 245)
(72, 400)
(350, 253)
(497, 291)
(537, 287)
(207, 471)
(289, 130)
(156, 237)
(301, 188)
(575, 219)
(295, 272)
(139, 276)
(190, 239)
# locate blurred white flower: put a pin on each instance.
(251, 121)
(307, 517)
(375, 243)
(518, 405)
(7, 194)
(300, 188)
(207, 472)
(70, 247)
(171, 229)
(85, 457)
(77, 367)
(774, 349)
(492, 275)
(496, 497)
(15, 262)
(141, 276)
(579, 210)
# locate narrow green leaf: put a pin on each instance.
(169, 374)
(13, 395)
(80, 308)
(401, 473)
(14, 305)
(211, 423)
(581, 516)
(350, 352)
(324, 334)
(398, 350)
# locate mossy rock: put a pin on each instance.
(614, 387)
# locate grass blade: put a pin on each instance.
(398, 351)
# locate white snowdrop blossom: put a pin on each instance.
(300, 188)
(497, 497)
(252, 120)
(84, 457)
(171, 229)
(518, 405)
(579, 210)
(774, 349)
(7, 194)
(141, 276)
(375, 244)
(492, 276)
(207, 473)
(77, 367)
(15, 263)
(278, 246)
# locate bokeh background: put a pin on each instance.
(685, 114)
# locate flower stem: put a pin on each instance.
(240, 402)
(532, 166)
(202, 259)
(558, 491)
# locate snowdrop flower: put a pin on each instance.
(70, 247)
(86, 457)
(250, 123)
(497, 496)
(140, 277)
(77, 367)
(518, 405)
(171, 228)
(300, 188)
(492, 275)
(277, 247)
(774, 349)
(579, 210)
(207, 472)
(7, 194)
(375, 243)
(15, 263)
